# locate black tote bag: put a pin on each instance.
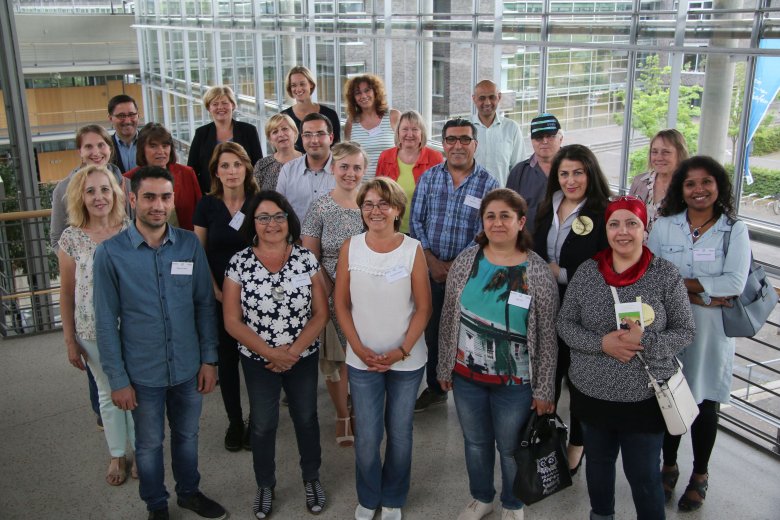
(542, 464)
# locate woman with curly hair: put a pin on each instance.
(370, 122)
(698, 232)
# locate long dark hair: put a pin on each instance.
(293, 222)
(674, 203)
(597, 192)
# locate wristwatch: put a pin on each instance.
(212, 364)
(404, 354)
(705, 298)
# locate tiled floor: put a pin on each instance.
(53, 460)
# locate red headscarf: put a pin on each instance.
(604, 258)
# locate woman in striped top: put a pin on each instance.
(370, 122)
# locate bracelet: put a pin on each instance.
(404, 354)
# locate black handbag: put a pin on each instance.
(750, 310)
(542, 464)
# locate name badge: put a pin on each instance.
(236, 221)
(472, 201)
(396, 273)
(706, 254)
(519, 299)
(300, 280)
(181, 268)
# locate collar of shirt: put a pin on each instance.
(325, 168)
(556, 203)
(497, 119)
(120, 142)
(474, 169)
(136, 239)
(533, 161)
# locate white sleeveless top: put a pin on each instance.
(374, 142)
(380, 286)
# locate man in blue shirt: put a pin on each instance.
(157, 335)
(123, 114)
(445, 219)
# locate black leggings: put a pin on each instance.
(564, 360)
(703, 432)
(229, 378)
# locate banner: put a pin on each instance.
(765, 87)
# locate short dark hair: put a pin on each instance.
(118, 100)
(458, 122)
(674, 203)
(517, 203)
(157, 133)
(316, 116)
(148, 172)
(293, 222)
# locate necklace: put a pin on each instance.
(695, 231)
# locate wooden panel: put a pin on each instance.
(55, 166)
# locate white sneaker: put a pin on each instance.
(363, 513)
(512, 514)
(391, 513)
(475, 510)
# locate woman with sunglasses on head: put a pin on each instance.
(570, 229)
(331, 220)
(601, 322)
(667, 150)
(217, 220)
(697, 217)
(275, 307)
(300, 85)
(383, 302)
(370, 122)
(497, 347)
(95, 205)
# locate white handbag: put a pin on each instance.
(674, 396)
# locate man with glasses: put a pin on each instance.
(157, 336)
(123, 114)
(445, 219)
(529, 177)
(501, 143)
(309, 177)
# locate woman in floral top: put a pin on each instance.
(331, 220)
(275, 306)
(96, 212)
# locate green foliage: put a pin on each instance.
(765, 181)
(637, 162)
(651, 102)
(767, 138)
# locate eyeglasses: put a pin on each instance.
(131, 115)
(463, 139)
(315, 135)
(383, 206)
(625, 198)
(264, 220)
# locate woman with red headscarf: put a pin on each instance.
(623, 302)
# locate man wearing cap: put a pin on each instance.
(529, 177)
(500, 140)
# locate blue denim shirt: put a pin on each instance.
(153, 328)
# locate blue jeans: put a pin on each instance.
(432, 337)
(182, 403)
(641, 453)
(491, 416)
(94, 400)
(264, 388)
(383, 402)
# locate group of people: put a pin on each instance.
(379, 262)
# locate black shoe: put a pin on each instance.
(315, 496)
(263, 504)
(234, 435)
(428, 398)
(202, 506)
(247, 440)
(158, 514)
(99, 423)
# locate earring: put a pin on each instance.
(289, 239)
(396, 218)
(254, 241)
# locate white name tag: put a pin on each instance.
(300, 280)
(706, 254)
(472, 202)
(184, 268)
(519, 299)
(396, 273)
(236, 221)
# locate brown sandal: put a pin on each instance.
(117, 471)
(689, 501)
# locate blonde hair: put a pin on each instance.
(415, 118)
(217, 92)
(278, 120)
(389, 191)
(303, 71)
(673, 137)
(250, 185)
(347, 149)
(78, 216)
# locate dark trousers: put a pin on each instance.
(432, 337)
(561, 371)
(229, 373)
(703, 432)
